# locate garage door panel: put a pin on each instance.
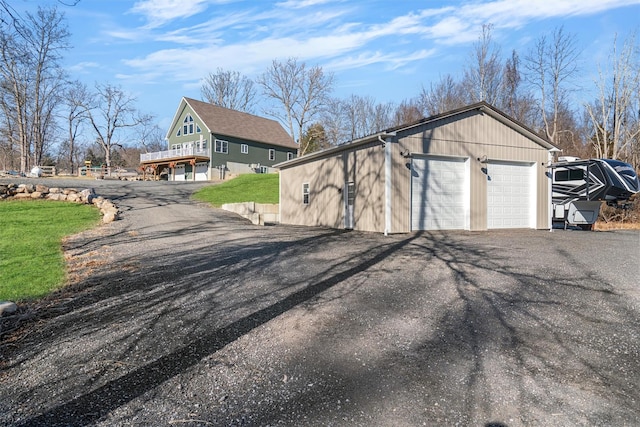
(202, 171)
(509, 191)
(437, 194)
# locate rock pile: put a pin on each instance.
(87, 196)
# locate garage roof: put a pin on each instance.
(483, 107)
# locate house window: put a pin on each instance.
(244, 149)
(188, 126)
(272, 154)
(289, 156)
(179, 132)
(264, 169)
(305, 193)
(222, 146)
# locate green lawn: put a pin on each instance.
(31, 232)
(259, 188)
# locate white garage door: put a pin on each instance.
(438, 194)
(202, 170)
(510, 192)
(179, 174)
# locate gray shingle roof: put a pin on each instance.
(224, 121)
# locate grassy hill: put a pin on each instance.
(259, 188)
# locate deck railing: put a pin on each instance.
(178, 152)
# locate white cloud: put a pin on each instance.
(301, 4)
(247, 39)
(514, 13)
(83, 67)
(159, 12)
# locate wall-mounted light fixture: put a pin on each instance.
(483, 159)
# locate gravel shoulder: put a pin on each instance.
(181, 314)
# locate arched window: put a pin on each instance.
(189, 126)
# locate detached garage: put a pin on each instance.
(473, 168)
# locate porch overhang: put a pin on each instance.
(168, 161)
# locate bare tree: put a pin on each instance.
(614, 114)
(150, 137)
(355, 117)
(76, 101)
(333, 122)
(550, 67)
(443, 96)
(483, 75)
(48, 38)
(383, 116)
(301, 94)
(111, 111)
(15, 90)
(30, 51)
(408, 111)
(229, 89)
(359, 113)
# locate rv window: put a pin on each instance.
(562, 175)
(569, 175)
(576, 174)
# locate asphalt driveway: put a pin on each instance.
(180, 314)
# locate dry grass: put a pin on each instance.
(615, 225)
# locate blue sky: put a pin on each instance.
(159, 50)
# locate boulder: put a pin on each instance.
(108, 210)
(98, 201)
(27, 188)
(74, 197)
(109, 216)
(87, 195)
(7, 307)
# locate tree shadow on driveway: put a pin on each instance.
(469, 321)
(95, 404)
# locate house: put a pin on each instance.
(207, 142)
(473, 168)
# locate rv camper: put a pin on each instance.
(581, 186)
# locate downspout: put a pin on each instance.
(550, 188)
(387, 183)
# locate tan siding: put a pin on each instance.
(326, 178)
(471, 135)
